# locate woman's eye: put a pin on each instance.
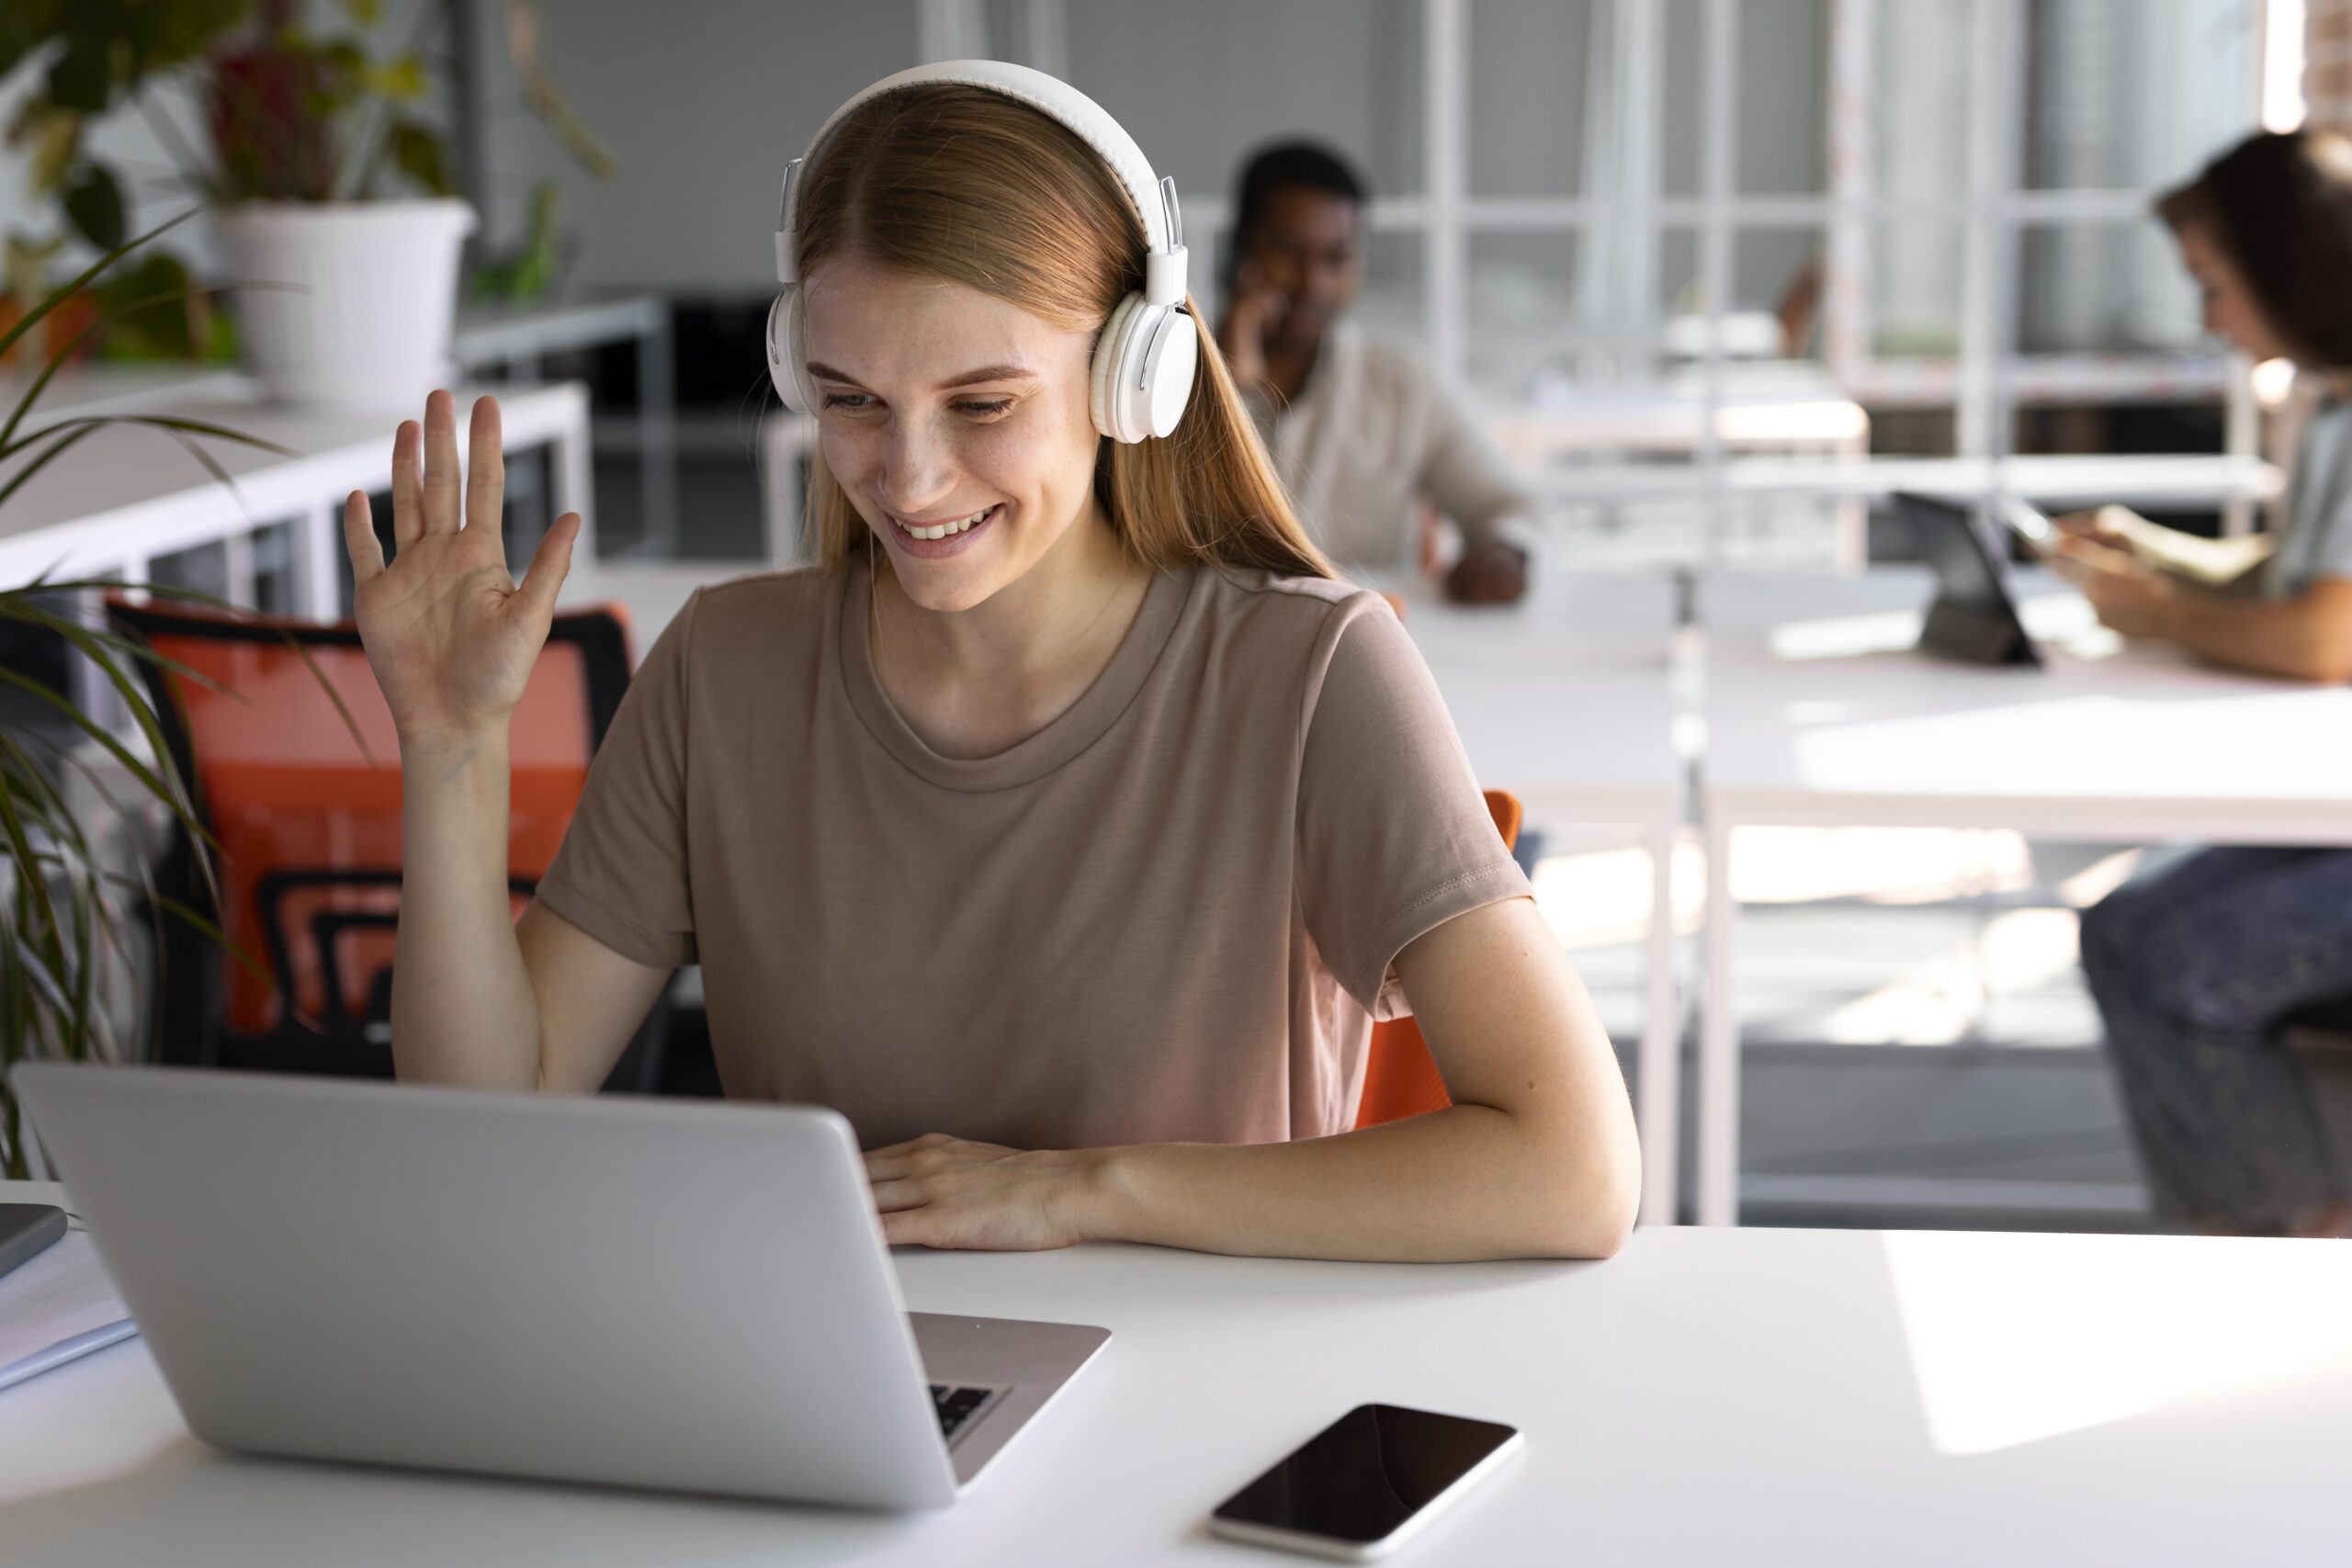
(852, 400)
(995, 406)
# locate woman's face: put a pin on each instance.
(941, 407)
(2230, 311)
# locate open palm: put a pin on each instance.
(450, 636)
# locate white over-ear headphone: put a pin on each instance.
(1142, 372)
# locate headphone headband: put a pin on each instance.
(1140, 376)
(1153, 199)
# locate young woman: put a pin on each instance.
(1064, 827)
(2197, 967)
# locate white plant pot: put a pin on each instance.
(346, 305)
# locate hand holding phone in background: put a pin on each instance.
(2218, 565)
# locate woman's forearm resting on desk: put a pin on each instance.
(1536, 1157)
(2308, 637)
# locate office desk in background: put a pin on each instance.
(1565, 699)
(1709, 1396)
(1819, 714)
(123, 497)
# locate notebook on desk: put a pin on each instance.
(56, 1307)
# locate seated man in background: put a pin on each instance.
(1365, 438)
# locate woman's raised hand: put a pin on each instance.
(449, 635)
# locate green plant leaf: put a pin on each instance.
(20, 846)
(55, 136)
(401, 80)
(26, 26)
(59, 296)
(94, 201)
(28, 613)
(416, 150)
(81, 78)
(171, 794)
(56, 450)
(45, 805)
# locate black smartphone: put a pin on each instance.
(1366, 1483)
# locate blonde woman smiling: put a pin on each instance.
(1064, 827)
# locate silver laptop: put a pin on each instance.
(658, 1293)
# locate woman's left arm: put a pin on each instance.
(2307, 638)
(1536, 1157)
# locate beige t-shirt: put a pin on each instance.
(1167, 916)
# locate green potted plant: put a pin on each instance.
(334, 207)
(63, 903)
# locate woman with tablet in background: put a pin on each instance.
(2198, 967)
(1066, 827)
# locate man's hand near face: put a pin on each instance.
(1490, 572)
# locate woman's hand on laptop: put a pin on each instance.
(949, 1192)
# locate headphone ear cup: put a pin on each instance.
(1111, 367)
(1169, 354)
(784, 353)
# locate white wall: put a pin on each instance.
(703, 102)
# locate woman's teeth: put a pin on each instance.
(944, 529)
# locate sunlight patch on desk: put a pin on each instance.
(1847, 637)
(2017, 1339)
(2097, 743)
(1881, 865)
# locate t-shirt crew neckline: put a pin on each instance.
(1079, 726)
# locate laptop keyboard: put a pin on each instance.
(957, 1405)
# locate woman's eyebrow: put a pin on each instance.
(824, 372)
(989, 373)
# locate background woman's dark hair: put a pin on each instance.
(1283, 165)
(2279, 203)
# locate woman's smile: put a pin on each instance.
(937, 537)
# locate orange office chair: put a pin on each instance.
(1401, 1078)
(308, 827)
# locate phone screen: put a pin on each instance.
(1365, 1475)
(2028, 522)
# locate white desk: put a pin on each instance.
(1819, 714)
(1710, 1396)
(123, 497)
(1566, 700)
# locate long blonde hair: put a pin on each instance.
(958, 181)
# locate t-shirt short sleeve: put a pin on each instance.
(621, 873)
(1394, 838)
(2318, 540)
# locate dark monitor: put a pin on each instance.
(1974, 617)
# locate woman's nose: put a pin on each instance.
(915, 470)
